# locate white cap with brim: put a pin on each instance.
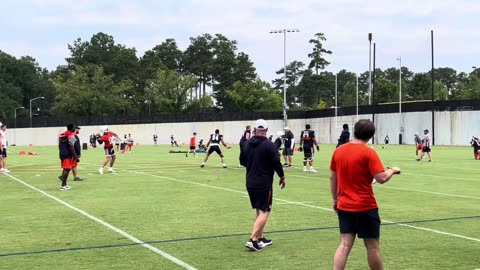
(261, 124)
(286, 128)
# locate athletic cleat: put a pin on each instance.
(6, 171)
(65, 188)
(77, 179)
(263, 242)
(100, 171)
(285, 164)
(202, 165)
(305, 170)
(253, 245)
(111, 170)
(224, 166)
(2, 170)
(312, 170)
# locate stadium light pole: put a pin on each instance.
(15, 124)
(284, 32)
(370, 37)
(33, 99)
(336, 100)
(400, 94)
(357, 94)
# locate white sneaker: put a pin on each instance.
(305, 170)
(100, 171)
(2, 170)
(312, 170)
(111, 170)
(6, 171)
(65, 188)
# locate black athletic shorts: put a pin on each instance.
(109, 151)
(387, 141)
(287, 151)
(215, 148)
(3, 152)
(308, 153)
(426, 149)
(191, 147)
(366, 224)
(261, 200)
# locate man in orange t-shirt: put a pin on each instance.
(193, 143)
(353, 166)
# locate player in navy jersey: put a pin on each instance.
(475, 143)
(213, 145)
(307, 140)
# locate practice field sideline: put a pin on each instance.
(162, 211)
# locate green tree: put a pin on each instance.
(254, 96)
(169, 90)
(166, 55)
(440, 92)
(88, 91)
(385, 91)
(421, 87)
(471, 88)
(295, 71)
(198, 60)
(21, 80)
(318, 61)
(116, 60)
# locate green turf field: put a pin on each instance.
(162, 208)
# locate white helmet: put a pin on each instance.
(104, 129)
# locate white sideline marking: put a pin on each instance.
(227, 189)
(431, 192)
(406, 189)
(444, 176)
(281, 203)
(313, 206)
(242, 192)
(111, 227)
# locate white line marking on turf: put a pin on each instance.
(227, 189)
(431, 192)
(312, 206)
(111, 227)
(298, 203)
(406, 189)
(282, 203)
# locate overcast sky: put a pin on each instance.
(43, 28)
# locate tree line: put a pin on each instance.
(102, 78)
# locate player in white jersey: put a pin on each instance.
(3, 149)
(427, 146)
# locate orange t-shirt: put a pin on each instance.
(355, 165)
(192, 141)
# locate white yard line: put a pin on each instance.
(299, 203)
(111, 227)
(431, 192)
(308, 205)
(407, 189)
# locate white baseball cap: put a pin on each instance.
(261, 124)
(286, 128)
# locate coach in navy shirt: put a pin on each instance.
(260, 157)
